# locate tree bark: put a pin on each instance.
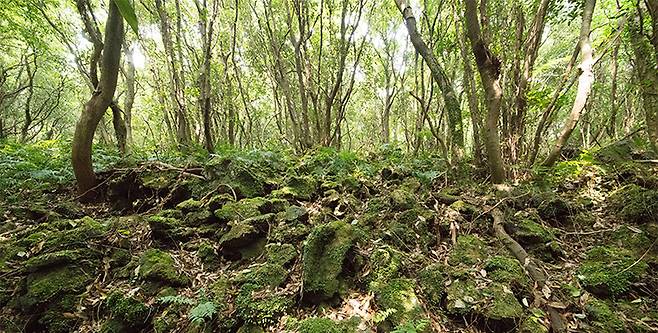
(585, 82)
(449, 96)
(96, 106)
(489, 68)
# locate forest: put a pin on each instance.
(340, 166)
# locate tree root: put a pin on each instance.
(533, 270)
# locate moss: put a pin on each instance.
(267, 275)
(503, 303)
(508, 271)
(325, 251)
(159, 266)
(610, 271)
(168, 229)
(241, 234)
(58, 258)
(250, 329)
(166, 321)
(84, 230)
(635, 204)
(326, 325)
(402, 199)
(635, 241)
(218, 201)
(461, 297)
(130, 311)
(469, 250)
(280, 254)
(298, 187)
(385, 263)
(602, 317)
(53, 318)
(532, 324)
(410, 229)
(207, 254)
(199, 218)
(555, 208)
(398, 294)
(45, 286)
(189, 205)
(257, 306)
(242, 209)
(528, 232)
(295, 214)
(431, 280)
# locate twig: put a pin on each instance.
(638, 260)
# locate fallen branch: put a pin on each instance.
(533, 270)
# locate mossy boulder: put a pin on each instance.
(325, 253)
(260, 306)
(57, 258)
(462, 296)
(243, 209)
(635, 204)
(294, 214)
(602, 318)
(432, 283)
(386, 263)
(399, 295)
(401, 199)
(207, 254)
(502, 305)
(610, 271)
(266, 275)
(245, 232)
(469, 250)
(168, 227)
(410, 229)
(158, 266)
(218, 201)
(129, 311)
(530, 233)
(280, 254)
(533, 324)
(199, 218)
(552, 207)
(189, 205)
(74, 234)
(54, 320)
(46, 286)
(507, 271)
(299, 188)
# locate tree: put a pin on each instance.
(585, 81)
(94, 109)
(489, 67)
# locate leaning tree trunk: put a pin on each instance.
(489, 67)
(449, 96)
(96, 106)
(585, 82)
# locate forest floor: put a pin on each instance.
(331, 242)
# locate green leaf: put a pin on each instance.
(128, 12)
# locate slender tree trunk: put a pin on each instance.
(585, 82)
(449, 96)
(96, 106)
(489, 67)
(129, 100)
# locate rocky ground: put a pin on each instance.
(334, 243)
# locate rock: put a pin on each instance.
(189, 205)
(58, 258)
(243, 233)
(507, 271)
(531, 324)
(432, 280)
(529, 233)
(298, 188)
(402, 199)
(326, 325)
(199, 218)
(159, 266)
(45, 286)
(208, 255)
(399, 295)
(469, 250)
(635, 204)
(610, 271)
(218, 201)
(258, 306)
(461, 297)
(295, 214)
(385, 263)
(554, 208)
(602, 317)
(325, 253)
(280, 254)
(243, 209)
(266, 275)
(130, 312)
(503, 306)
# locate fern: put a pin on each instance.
(202, 312)
(178, 300)
(382, 315)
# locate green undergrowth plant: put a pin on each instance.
(202, 309)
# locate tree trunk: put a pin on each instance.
(585, 82)
(449, 96)
(96, 106)
(489, 68)
(129, 100)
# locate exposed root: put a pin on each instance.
(533, 270)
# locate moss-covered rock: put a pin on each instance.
(46, 286)
(603, 318)
(401, 199)
(54, 320)
(245, 232)
(57, 258)
(507, 271)
(208, 255)
(432, 283)
(189, 205)
(461, 297)
(258, 306)
(554, 208)
(469, 250)
(243, 209)
(399, 295)
(218, 201)
(503, 304)
(410, 229)
(159, 266)
(199, 217)
(533, 324)
(131, 312)
(326, 325)
(77, 234)
(386, 263)
(635, 204)
(610, 271)
(294, 214)
(280, 254)
(266, 275)
(530, 233)
(325, 252)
